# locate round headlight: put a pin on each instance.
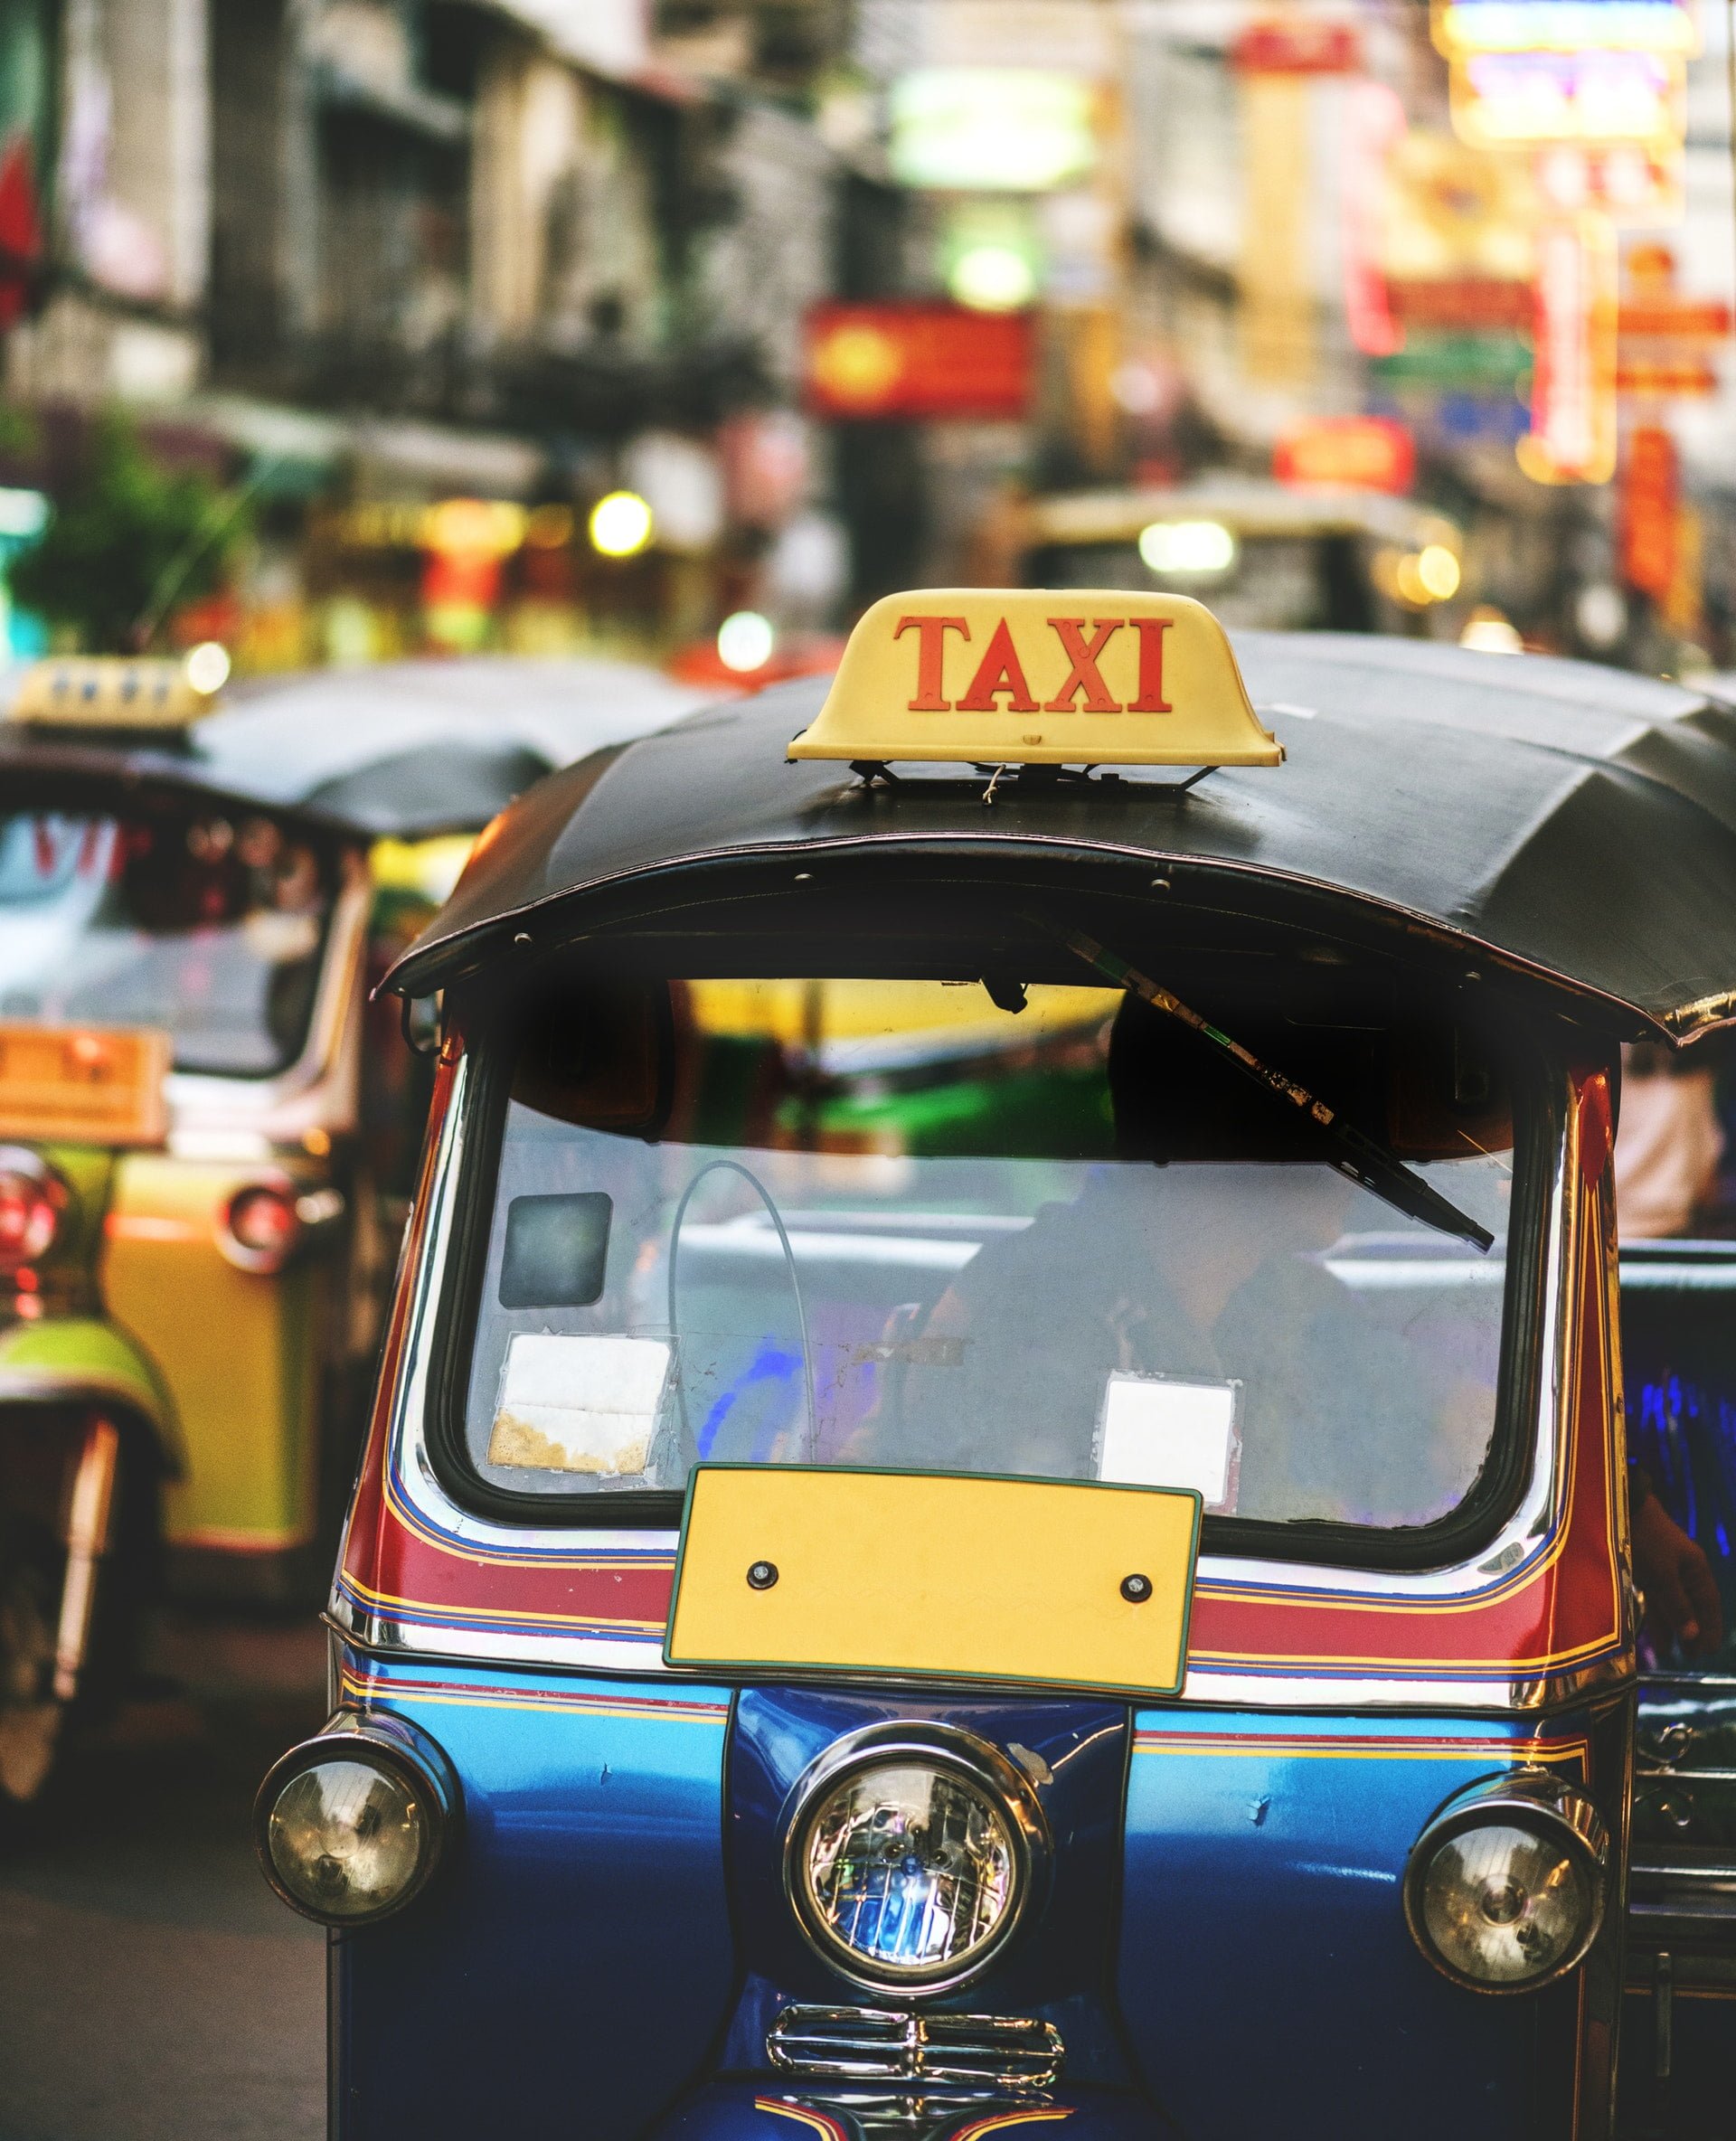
(910, 1865)
(350, 1825)
(1506, 1890)
(33, 1197)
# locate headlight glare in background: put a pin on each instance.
(350, 1825)
(1187, 546)
(910, 1864)
(1505, 1889)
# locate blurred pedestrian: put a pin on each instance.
(1671, 1142)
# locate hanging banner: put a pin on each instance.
(1650, 512)
(1572, 435)
(1375, 127)
(1276, 315)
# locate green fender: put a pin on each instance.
(80, 1358)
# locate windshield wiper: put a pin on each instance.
(1358, 1156)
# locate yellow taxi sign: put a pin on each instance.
(110, 692)
(1033, 676)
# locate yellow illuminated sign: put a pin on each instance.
(1034, 678)
(101, 692)
(1525, 99)
(1061, 1583)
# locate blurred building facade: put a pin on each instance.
(368, 257)
(837, 287)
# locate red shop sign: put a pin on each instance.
(1296, 44)
(869, 361)
(1650, 510)
(1363, 453)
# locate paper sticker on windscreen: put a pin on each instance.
(579, 1403)
(1160, 1430)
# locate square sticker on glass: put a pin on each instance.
(579, 1403)
(1162, 1430)
(557, 1249)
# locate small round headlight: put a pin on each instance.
(1506, 1890)
(350, 1825)
(910, 1865)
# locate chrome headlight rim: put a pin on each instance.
(409, 1757)
(1536, 1800)
(980, 1765)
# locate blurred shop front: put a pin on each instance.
(414, 290)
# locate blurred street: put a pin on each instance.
(152, 1988)
(441, 443)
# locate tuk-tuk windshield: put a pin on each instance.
(1042, 1231)
(1255, 583)
(204, 923)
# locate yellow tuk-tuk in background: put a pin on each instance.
(205, 1152)
(1265, 557)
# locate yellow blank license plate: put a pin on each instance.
(936, 1575)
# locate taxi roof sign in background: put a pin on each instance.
(1034, 678)
(110, 692)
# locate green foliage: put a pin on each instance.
(128, 539)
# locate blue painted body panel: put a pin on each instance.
(1223, 1948)
(1265, 1963)
(569, 1970)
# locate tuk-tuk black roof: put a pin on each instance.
(404, 749)
(1570, 823)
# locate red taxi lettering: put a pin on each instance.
(1151, 698)
(999, 672)
(1084, 676)
(931, 647)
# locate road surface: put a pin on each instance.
(152, 1988)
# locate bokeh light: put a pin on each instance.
(207, 667)
(620, 524)
(745, 641)
(993, 279)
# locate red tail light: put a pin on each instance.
(32, 1200)
(261, 1228)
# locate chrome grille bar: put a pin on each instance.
(999, 2053)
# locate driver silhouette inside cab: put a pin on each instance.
(1199, 1253)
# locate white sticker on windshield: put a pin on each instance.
(1158, 1430)
(579, 1403)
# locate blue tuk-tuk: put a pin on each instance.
(1000, 1490)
